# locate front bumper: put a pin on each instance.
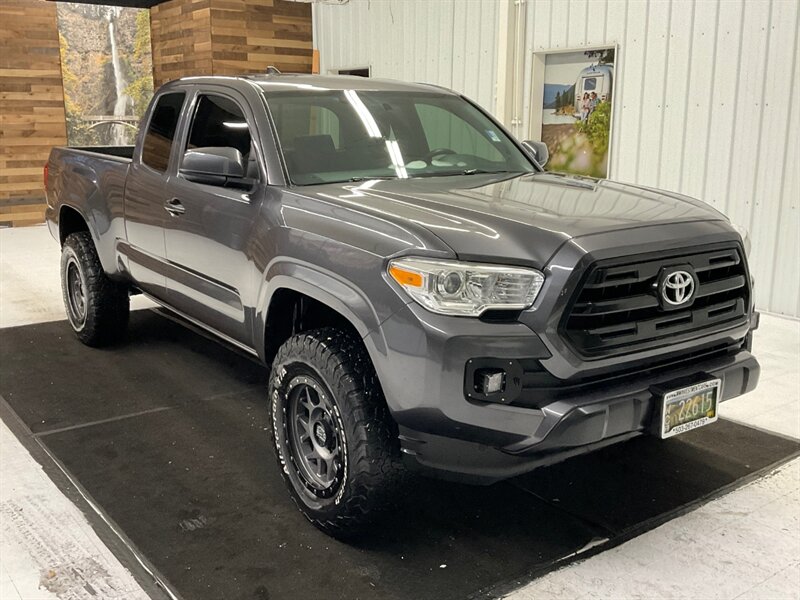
(421, 358)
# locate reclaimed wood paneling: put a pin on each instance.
(229, 37)
(180, 32)
(247, 36)
(32, 116)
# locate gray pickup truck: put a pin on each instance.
(426, 295)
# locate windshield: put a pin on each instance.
(348, 135)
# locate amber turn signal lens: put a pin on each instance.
(404, 277)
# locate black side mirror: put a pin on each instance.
(215, 166)
(538, 150)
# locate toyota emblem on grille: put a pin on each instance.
(677, 288)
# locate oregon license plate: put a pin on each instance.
(689, 408)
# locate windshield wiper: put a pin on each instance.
(467, 172)
(357, 179)
(350, 180)
(485, 172)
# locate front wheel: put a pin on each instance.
(335, 441)
(97, 307)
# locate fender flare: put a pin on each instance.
(84, 197)
(325, 287)
(89, 225)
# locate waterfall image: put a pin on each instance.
(106, 66)
(119, 136)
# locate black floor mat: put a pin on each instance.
(167, 433)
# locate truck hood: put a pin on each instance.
(522, 219)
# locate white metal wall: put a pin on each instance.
(707, 99)
(446, 42)
(707, 104)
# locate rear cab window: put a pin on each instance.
(160, 133)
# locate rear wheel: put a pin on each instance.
(97, 307)
(335, 441)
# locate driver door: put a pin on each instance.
(208, 233)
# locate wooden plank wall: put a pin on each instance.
(247, 36)
(229, 37)
(32, 118)
(180, 32)
(189, 37)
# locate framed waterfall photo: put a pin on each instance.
(106, 67)
(572, 109)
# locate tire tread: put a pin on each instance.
(107, 302)
(375, 469)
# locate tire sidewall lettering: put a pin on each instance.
(278, 407)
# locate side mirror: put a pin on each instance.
(538, 150)
(214, 166)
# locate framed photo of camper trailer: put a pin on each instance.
(572, 108)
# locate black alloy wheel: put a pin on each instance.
(317, 437)
(334, 438)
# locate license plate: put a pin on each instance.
(689, 408)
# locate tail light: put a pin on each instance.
(45, 173)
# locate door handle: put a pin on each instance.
(174, 207)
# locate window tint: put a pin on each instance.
(589, 84)
(349, 135)
(295, 121)
(444, 129)
(161, 131)
(219, 122)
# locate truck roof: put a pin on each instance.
(300, 81)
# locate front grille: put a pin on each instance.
(617, 308)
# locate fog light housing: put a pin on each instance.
(493, 380)
(490, 381)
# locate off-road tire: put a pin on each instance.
(336, 363)
(105, 310)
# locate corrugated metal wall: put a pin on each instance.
(707, 97)
(446, 42)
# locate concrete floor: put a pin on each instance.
(48, 549)
(743, 545)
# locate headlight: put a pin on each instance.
(742, 231)
(467, 289)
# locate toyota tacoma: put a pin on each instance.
(424, 293)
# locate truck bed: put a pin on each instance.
(91, 182)
(113, 152)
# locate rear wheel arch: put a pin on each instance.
(70, 221)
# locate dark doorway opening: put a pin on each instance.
(360, 72)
